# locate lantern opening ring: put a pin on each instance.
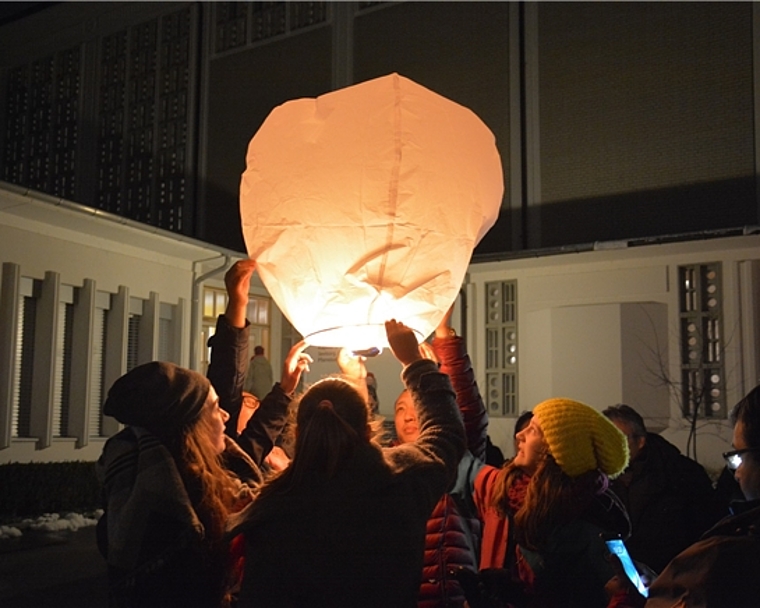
(364, 337)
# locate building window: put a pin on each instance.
(258, 310)
(237, 24)
(702, 390)
(258, 313)
(164, 339)
(214, 303)
(167, 334)
(23, 373)
(501, 348)
(42, 120)
(144, 100)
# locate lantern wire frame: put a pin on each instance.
(355, 338)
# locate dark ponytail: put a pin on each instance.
(332, 420)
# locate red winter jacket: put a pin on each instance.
(452, 538)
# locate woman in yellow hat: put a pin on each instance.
(546, 512)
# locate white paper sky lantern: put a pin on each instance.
(365, 204)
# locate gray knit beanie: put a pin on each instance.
(158, 396)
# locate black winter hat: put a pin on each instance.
(158, 396)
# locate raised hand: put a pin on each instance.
(277, 459)
(237, 280)
(444, 327)
(295, 364)
(403, 342)
(352, 365)
(427, 352)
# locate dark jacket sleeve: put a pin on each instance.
(227, 368)
(703, 507)
(441, 443)
(266, 425)
(719, 570)
(455, 362)
(226, 371)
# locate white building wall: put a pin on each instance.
(600, 326)
(108, 264)
(603, 327)
(64, 248)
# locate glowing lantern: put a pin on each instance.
(365, 204)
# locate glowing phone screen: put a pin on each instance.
(617, 547)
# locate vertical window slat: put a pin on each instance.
(96, 373)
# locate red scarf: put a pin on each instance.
(517, 491)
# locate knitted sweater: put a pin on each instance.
(357, 540)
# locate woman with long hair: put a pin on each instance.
(169, 489)
(344, 524)
(547, 511)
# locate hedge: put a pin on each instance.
(32, 489)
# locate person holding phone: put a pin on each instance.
(546, 510)
(630, 571)
(720, 570)
(669, 497)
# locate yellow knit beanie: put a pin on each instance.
(580, 438)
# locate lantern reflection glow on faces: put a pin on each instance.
(365, 204)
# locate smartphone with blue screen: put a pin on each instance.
(617, 547)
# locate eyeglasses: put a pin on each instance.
(735, 458)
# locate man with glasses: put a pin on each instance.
(723, 568)
(744, 459)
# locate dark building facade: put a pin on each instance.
(615, 121)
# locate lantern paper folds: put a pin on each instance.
(365, 204)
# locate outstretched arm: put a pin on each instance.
(237, 280)
(265, 426)
(229, 344)
(451, 352)
(441, 443)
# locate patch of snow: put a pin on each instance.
(51, 522)
(9, 532)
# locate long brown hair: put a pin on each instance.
(332, 420)
(213, 490)
(214, 493)
(552, 499)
